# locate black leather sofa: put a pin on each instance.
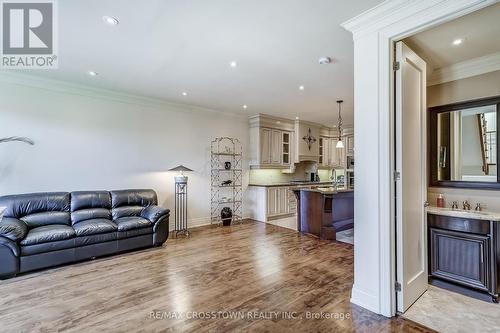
(41, 230)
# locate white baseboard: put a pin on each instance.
(365, 299)
(193, 223)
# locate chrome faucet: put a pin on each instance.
(333, 178)
(466, 205)
(478, 207)
(454, 205)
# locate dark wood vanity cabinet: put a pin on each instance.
(460, 257)
(464, 252)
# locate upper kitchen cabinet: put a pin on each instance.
(330, 155)
(271, 143)
(349, 144)
(278, 143)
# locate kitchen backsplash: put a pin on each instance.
(265, 176)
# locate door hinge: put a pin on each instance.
(395, 65)
(397, 286)
(397, 175)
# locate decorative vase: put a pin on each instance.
(227, 165)
(227, 215)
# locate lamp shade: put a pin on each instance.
(180, 168)
(340, 144)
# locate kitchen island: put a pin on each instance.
(324, 211)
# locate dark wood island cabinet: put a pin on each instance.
(464, 249)
(324, 211)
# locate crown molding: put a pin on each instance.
(391, 12)
(462, 70)
(64, 87)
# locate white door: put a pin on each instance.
(411, 190)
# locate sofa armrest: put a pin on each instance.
(13, 229)
(154, 213)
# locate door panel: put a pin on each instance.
(411, 190)
(276, 142)
(265, 146)
(460, 257)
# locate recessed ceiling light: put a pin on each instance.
(92, 73)
(184, 93)
(110, 20)
(245, 106)
(297, 118)
(233, 64)
(301, 87)
(458, 41)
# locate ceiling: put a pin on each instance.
(163, 48)
(480, 32)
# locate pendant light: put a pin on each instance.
(340, 143)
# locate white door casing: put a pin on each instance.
(411, 189)
(374, 33)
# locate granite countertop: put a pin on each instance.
(328, 190)
(305, 183)
(468, 214)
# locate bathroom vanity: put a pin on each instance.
(464, 249)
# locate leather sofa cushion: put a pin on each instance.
(46, 218)
(22, 206)
(13, 228)
(90, 214)
(126, 211)
(94, 227)
(86, 205)
(29, 250)
(131, 223)
(95, 239)
(142, 198)
(90, 199)
(135, 232)
(48, 233)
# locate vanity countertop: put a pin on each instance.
(304, 183)
(468, 214)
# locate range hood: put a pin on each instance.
(306, 141)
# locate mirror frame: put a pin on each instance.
(432, 144)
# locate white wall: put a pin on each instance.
(88, 140)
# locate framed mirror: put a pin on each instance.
(463, 149)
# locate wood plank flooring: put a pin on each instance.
(247, 271)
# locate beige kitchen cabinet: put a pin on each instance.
(349, 139)
(286, 148)
(265, 146)
(330, 155)
(275, 148)
(279, 203)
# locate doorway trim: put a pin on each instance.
(375, 32)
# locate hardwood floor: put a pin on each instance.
(249, 270)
